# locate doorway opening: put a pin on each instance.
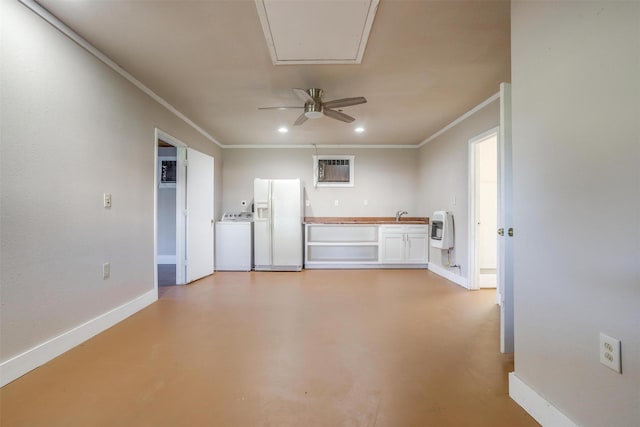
(483, 210)
(169, 190)
(193, 210)
(166, 213)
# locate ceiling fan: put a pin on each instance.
(315, 108)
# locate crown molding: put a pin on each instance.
(313, 146)
(461, 118)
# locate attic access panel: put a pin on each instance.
(316, 31)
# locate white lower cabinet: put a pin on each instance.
(365, 246)
(404, 244)
(341, 245)
(392, 247)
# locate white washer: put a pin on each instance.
(234, 242)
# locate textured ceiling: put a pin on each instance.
(426, 63)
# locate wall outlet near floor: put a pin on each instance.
(307, 203)
(365, 202)
(106, 270)
(610, 352)
(336, 202)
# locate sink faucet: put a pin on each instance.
(399, 215)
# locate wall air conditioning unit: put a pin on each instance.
(333, 171)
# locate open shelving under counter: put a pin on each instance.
(353, 242)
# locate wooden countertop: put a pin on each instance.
(364, 220)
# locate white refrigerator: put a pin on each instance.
(277, 224)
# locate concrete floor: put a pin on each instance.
(395, 348)
(166, 274)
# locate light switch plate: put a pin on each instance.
(106, 270)
(107, 200)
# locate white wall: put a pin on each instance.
(487, 176)
(72, 129)
(444, 180)
(576, 166)
(384, 177)
(166, 215)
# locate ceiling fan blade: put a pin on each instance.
(278, 108)
(338, 115)
(344, 102)
(300, 120)
(303, 95)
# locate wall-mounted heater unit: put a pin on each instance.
(442, 230)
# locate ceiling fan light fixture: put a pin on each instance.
(313, 110)
(313, 114)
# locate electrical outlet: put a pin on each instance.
(336, 202)
(107, 200)
(106, 270)
(365, 202)
(307, 203)
(610, 352)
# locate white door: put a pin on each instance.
(286, 222)
(505, 223)
(392, 248)
(200, 219)
(416, 248)
(262, 223)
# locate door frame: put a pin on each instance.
(474, 241)
(181, 148)
(505, 222)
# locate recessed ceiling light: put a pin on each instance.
(283, 129)
(359, 129)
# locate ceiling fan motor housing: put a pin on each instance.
(313, 110)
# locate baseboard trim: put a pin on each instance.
(537, 406)
(443, 272)
(166, 259)
(488, 280)
(19, 365)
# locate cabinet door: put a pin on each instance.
(392, 248)
(416, 248)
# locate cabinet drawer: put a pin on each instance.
(416, 229)
(405, 228)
